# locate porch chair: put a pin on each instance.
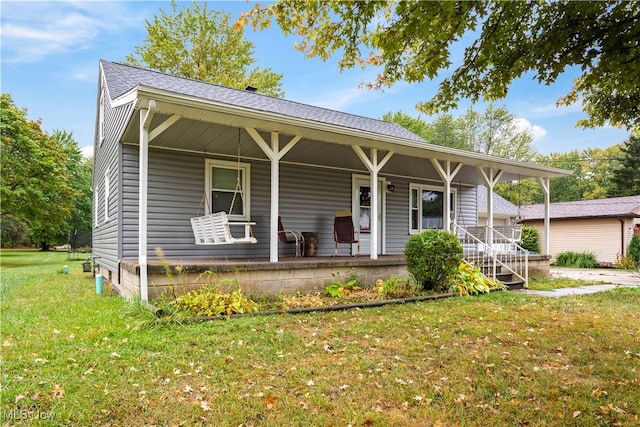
(343, 231)
(291, 237)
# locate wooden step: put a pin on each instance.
(514, 284)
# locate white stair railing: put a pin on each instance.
(490, 248)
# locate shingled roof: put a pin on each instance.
(599, 208)
(500, 204)
(122, 79)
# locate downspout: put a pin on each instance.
(544, 184)
(145, 121)
(622, 246)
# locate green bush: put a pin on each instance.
(576, 260)
(433, 257)
(530, 239)
(633, 251)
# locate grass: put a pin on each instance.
(70, 357)
(558, 283)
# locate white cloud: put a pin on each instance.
(538, 132)
(549, 110)
(33, 31)
(87, 151)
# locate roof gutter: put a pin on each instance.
(141, 95)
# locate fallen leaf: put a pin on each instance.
(57, 392)
(270, 400)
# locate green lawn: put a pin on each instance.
(71, 357)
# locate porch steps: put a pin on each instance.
(505, 278)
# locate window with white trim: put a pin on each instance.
(107, 190)
(101, 118)
(426, 206)
(227, 188)
(95, 207)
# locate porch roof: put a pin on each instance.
(211, 116)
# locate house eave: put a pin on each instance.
(190, 107)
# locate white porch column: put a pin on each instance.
(374, 167)
(544, 184)
(490, 180)
(143, 184)
(274, 154)
(447, 176)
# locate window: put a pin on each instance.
(106, 195)
(426, 207)
(227, 188)
(101, 118)
(95, 207)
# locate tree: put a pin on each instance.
(201, 44)
(626, 176)
(493, 131)
(80, 179)
(35, 184)
(413, 40)
(413, 124)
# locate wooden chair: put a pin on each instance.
(291, 237)
(344, 232)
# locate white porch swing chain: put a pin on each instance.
(238, 188)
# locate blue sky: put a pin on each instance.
(50, 53)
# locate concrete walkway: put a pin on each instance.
(609, 278)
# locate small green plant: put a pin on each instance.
(338, 289)
(530, 239)
(471, 281)
(633, 251)
(433, 257)
(209, 301)
(398, 287)
(576, 260)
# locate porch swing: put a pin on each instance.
(215, 228)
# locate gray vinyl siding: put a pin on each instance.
(309, 197)
(397, 215)
(106, 233)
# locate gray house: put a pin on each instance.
(168, 149)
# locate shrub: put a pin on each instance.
(433, 257)
(397, 287)
(634, 249)
(530, 239)
(209, 301)
(576, 260)
(471, 281)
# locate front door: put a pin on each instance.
(362, 215)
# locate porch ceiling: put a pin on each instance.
(214, 129)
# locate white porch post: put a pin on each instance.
(274, 154)
(143, 183)
(447, 176)
(374, 167)
(490, 181)
(544, 184)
